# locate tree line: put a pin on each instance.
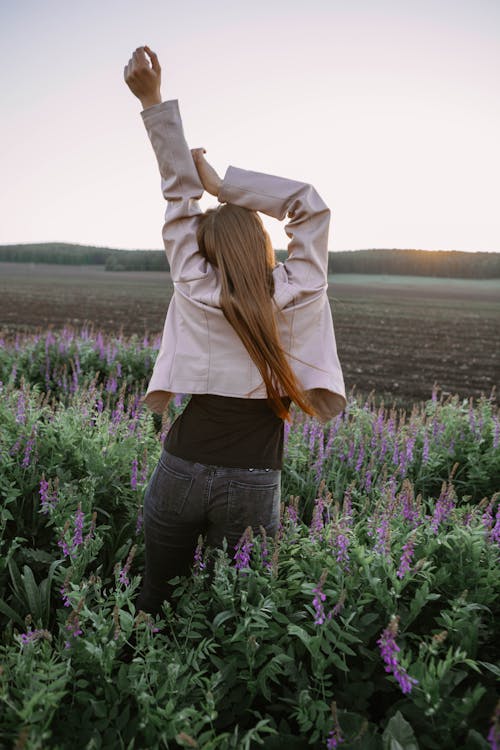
(444, 263)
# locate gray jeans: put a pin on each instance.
(184, 499)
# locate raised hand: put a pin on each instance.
(144, 81)
(208, 176)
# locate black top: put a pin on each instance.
(226, 431)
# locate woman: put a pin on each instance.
(243, 334)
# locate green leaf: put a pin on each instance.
(46, 589)
(368, 618)
(475, 741)
(301, 634)
(32, 592)
(15, 575)
(343, 647)
(421, 597)
(37, 555)
(492, 667)
(398, 734)
(4, 607)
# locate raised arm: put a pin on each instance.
(180, 183)
(307, 262)
(181, 187)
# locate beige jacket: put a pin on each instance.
(200, 352)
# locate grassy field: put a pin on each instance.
(396, 335)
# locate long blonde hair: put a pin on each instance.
(234, 239)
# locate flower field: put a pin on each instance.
(370, 621)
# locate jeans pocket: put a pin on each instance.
(168, 489)
(254, 504)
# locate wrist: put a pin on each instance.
(150, 101)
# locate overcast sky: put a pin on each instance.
(390, 108)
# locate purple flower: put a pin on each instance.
(92, 527)
(409, 448)
(123, 572)
(48, 498)
(495, 532)
(494, 733)
(73, 623)
(73, 627)
(21, 408)
(321, 456)
(443, 507)
(15, 447)
(35, 635)
(382, 544)
(342, 541)
(312, 437)
(118, 412)
(487, 517)
(199, 565)
(347, 505)
(361, 457)
(62, 543)
(264, 551)
(29, 448)
(319, 599)
(389, 649)
(410, 513)
(64, 593)
(44, 490)
(79, 519)
(305, 429)
(243, 549)
(317, 522)
(111, 353)
(334, 739)
(406, 556)
(351, 452)
(368, 480)
(286, 435)
(292, 515)
(111, 385)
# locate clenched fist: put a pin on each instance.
(144, 81)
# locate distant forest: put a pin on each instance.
(444, 263)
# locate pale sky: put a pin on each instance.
(390, 108)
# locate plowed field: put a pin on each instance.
(396, 335)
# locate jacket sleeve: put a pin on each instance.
(307, 262)
(181, 188)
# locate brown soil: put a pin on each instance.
(395, 338)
